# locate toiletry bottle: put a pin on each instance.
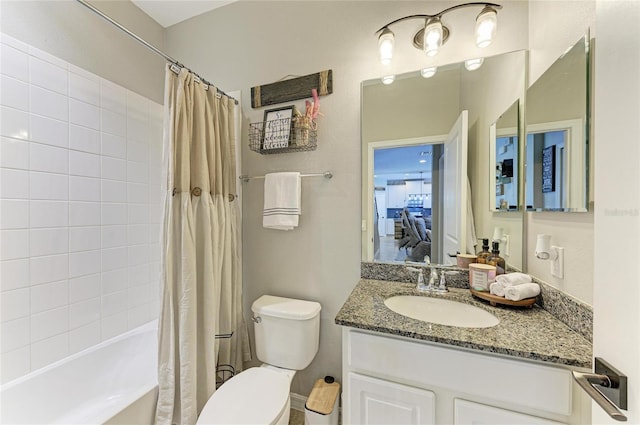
(484, 254)
(496, 260)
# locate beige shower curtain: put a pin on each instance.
(202, 282)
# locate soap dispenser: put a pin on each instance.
(484, 254)
(495, 259)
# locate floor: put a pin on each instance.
(296, 417)
(389, 250)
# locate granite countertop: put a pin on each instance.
(528, 333)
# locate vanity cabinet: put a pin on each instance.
(396, 380)
(384, 402)
(468, 413)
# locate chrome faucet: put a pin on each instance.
(420, 286)
(442, 288)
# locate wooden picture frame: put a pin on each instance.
(277, 127)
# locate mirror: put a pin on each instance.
(557, 129)
(504, 154)
(420, 113)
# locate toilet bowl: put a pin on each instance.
(259, 395)
(287, 337)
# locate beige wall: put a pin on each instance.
(402, 111)
(553, 27)
(72, 32)
(238, 47)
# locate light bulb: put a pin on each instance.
(385, 46)
(433, 34)
(486, 24)
(473, 64)
(388, 79)
(428, 72)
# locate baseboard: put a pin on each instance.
(298, 401)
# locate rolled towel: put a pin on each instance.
(520, 292)
(497, 288)
(513, 279)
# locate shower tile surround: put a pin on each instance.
(80, 164)
(576, 315)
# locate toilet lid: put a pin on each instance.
(256, 396)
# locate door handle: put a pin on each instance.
(606, 379)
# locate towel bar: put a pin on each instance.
(327, 175)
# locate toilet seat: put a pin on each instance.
(255, 396)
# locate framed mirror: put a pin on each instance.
(439, 189)
(557, 133)
(504, 135)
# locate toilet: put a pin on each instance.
(287, 335)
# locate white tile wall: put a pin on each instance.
(79, 228)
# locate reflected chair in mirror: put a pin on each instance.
(416, 240)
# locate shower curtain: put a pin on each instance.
(201, 272)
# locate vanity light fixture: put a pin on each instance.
(473, 64)
(388, 79)
(385, 46)
(434, 34)
(428, 72)
(486, 24)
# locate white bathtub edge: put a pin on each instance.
(140, 329)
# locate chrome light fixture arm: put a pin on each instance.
(439, 14)
(435, 33)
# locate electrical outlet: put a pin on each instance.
(557, 265)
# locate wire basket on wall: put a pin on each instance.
(279, 136)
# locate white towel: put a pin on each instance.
(503, 281)
(496, 288)
(513, 279)
(281, 201)
(520, 292)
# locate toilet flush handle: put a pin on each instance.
(256, 319)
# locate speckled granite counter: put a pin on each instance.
(525, 333)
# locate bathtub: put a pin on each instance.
(114, 382)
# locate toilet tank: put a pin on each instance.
(287, 331)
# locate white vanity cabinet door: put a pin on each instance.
(468, 413)
(374, 401)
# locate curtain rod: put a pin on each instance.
(326, 175)
(146, 44)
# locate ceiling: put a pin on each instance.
(171, 12)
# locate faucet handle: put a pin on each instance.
(420, 286)
(420, 274)
(443, 283)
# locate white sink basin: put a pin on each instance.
(442, 312)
